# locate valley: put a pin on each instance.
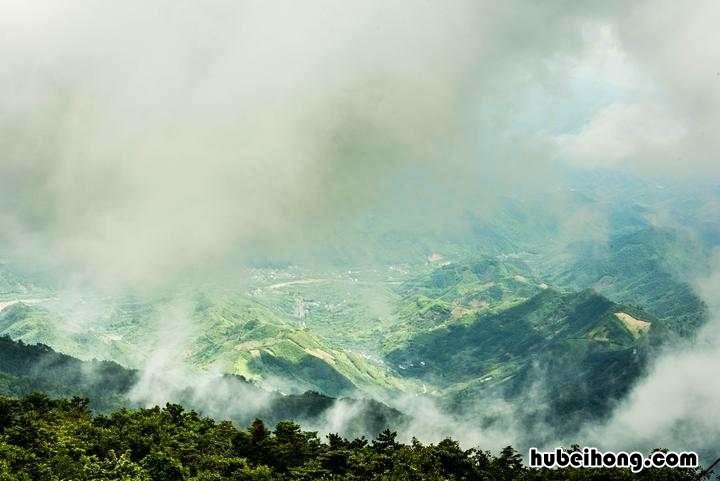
(560, 331)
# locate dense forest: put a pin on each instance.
(61, 439)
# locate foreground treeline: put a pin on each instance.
(46, 439)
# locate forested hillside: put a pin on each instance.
(43, 439)
(578, 353)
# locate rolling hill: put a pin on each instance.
(229, 333)
(648, 268)
(455, 292)
(27, 369)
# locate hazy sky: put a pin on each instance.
(142, 139)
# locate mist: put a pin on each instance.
(152, 142)
(150, 145)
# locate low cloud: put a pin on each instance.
(148, 143)
(664, 115)
(675, 406)
(622, 134)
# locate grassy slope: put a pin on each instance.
(243, 336)
(229, 332)
(455, 293)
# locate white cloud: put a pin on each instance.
(663, 58)
(624, 133)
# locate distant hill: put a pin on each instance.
(646, 268)
(456, 292)
(14, 281)
(582, 350)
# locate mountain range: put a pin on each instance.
(512, 307)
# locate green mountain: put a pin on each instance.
(26, 369)
(584, 350)
(647, 268)
(241, 335)
(456, 292)
(481, 327)
(229, 333)
(487, 303)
